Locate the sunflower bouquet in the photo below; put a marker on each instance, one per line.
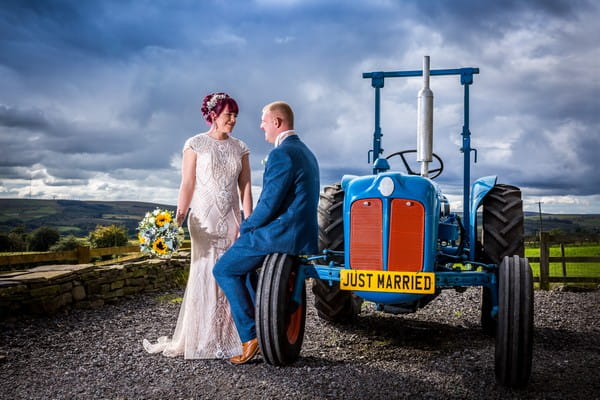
(159, 234)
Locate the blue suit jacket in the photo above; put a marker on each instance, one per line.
(285, 218)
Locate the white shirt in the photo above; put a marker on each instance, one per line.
(281, 137)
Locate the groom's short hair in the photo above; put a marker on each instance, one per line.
(282, 110)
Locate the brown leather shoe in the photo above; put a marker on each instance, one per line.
(249, 350)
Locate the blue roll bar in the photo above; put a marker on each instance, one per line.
(466, 79)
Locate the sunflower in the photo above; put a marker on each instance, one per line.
(141, 239)
(163, 218)
(160, 246)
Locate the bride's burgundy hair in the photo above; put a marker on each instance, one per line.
(223, 99)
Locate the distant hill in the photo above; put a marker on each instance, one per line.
(568, 223)
(72, 216)
(81, 217)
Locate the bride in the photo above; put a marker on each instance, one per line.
(215, 167)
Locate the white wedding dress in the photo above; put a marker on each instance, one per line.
(205, 328)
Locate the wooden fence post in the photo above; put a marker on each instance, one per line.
(83, 255)
(544, 262)
(564, 263)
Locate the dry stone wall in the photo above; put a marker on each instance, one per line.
(47, 289)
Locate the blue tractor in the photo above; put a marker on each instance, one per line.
(390, 238)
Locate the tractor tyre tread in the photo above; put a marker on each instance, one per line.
(514, 338)
(273, 311)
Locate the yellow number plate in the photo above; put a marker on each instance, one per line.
(384, 281)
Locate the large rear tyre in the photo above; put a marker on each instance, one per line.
(331, 221)
(280, 321)
(514, 337)
(502, 235)
(503, 223)
(333, 304)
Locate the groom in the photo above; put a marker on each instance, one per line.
(284, 221)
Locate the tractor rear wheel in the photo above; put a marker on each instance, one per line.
(333, 304)
(503, 223)
(280, 321)
(502, 235)
(514, 337)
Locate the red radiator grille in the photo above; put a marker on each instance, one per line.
(406, 236)
(366, 234)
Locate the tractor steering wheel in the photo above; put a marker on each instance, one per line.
(433, 172)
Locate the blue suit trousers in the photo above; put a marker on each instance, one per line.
(235, 272)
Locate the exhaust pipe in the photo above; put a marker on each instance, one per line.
(425, 122)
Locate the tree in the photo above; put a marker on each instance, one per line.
(67, 243)
(17, 242)
(42, 238)
(5, 244)
(19, 230)
(18, 239)
(108, 236)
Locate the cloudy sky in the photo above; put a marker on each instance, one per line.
(98, 97)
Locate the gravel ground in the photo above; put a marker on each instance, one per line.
(438, 352)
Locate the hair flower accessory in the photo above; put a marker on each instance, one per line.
(214, 100)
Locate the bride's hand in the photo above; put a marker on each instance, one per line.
(180, 218)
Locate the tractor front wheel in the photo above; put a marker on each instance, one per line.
(280, 321)
(514, 336)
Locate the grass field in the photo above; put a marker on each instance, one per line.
(572, 269)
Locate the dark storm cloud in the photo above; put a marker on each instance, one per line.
(55, 134)
(106, 29)
(566, 89)
(28, 119)
(10, 172)
(68, 174)
(566, 166)
(492, 18)
(65, 182)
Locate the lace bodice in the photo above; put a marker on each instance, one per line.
(218, 164)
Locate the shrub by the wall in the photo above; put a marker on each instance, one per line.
(67, 243)
(108, 236)
(16, 240)
(42, 238)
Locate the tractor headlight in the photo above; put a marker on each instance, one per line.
(386, 186)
